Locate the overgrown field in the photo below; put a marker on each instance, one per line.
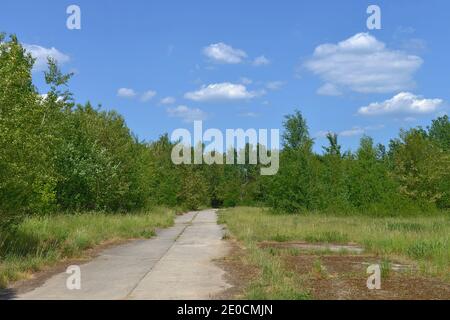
(43, 241)
(423, 241)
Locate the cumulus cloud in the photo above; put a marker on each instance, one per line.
(363, 64)
(126, 93)
(261, 61)
(186, 114)
(41, 54)
(402, 103)
(223, 53)
(221, 91)
(148, 95)
(168, 100)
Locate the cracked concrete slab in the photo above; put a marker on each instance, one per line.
(177, 264)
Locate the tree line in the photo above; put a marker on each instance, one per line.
(57, 155)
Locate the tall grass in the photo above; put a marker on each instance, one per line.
(275, 281)
(42, 241)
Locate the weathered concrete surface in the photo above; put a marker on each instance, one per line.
(176, 264)
(351, 248)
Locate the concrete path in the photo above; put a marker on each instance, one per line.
(176, 264)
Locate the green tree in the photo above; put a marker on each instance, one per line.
(368, 177)
(296, 132)
(439, 132)
(333, 190)
(26, 180)
(193, 194)
(293, 187)
(334, 149)
(421, 167)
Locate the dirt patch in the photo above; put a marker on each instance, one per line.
(330, 275)
(343, 277)
(239, 273)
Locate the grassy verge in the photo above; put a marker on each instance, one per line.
(274, 282)
(423, 241)
(43, 241)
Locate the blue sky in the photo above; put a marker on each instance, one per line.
(246, 64)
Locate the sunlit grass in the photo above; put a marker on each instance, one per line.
(275, 282)
(421, 240)
(42, 241)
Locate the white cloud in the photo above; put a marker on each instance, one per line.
(187, 114)
(354, 131)
(402, 103)
(364, 64)
(261, 61)
(221, 91)
(167, 100)
(126, 93)
(148, 95)
(223, 53)
(329, 89)
(41, 54)
(403, 30)
(414, 45)
(274, 85)
(402, 36)
(357, 130)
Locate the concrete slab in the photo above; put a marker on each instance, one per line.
(176, 264)
(186, 271)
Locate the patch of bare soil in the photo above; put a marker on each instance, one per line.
(343, 277)
(238, 272)
(335, 276)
